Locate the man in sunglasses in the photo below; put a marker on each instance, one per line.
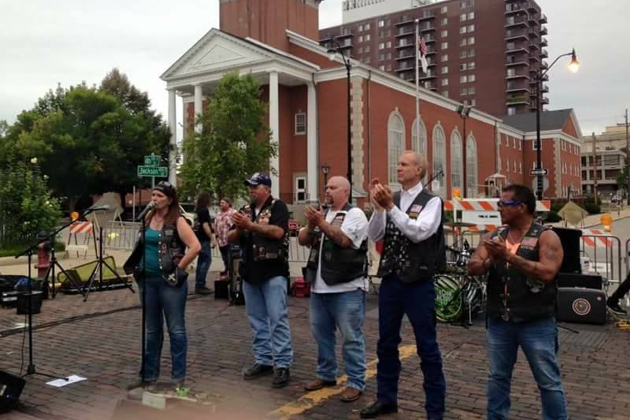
(522, 259)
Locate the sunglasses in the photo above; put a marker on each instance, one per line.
(509, 203)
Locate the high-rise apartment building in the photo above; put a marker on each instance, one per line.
(484, 53)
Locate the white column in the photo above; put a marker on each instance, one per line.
(311, 145)
(274, 125)
(198, 106)
(172, 124)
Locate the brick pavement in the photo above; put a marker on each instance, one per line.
(105, 348)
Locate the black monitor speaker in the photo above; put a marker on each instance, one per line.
(570, 239)
(10, 389)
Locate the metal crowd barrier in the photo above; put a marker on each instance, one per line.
(605, 255)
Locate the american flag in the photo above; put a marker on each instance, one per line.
(422, 48)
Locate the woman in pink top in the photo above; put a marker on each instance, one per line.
(223, 224)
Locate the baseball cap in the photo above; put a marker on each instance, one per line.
(259, 178)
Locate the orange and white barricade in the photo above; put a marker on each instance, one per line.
(86, 230)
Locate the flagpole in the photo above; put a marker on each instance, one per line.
(417, 48)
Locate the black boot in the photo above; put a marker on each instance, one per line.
(613, 305)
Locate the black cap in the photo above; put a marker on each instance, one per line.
(259, 178)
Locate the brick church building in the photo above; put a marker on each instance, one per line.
(277, 42)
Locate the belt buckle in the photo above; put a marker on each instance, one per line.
(505, 316)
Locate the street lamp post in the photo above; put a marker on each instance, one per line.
(332, 53)
(574, 66)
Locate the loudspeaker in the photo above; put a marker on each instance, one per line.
(221, 289)
(10, 389)
(36, 302)
(588, 281)
(570, 239)
(585, 306)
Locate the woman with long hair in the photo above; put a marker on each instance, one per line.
(205, 234)
(223, 225)
(170, 246)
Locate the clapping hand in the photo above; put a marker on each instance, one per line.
(242, 221)
(382, 195)
(313, 216)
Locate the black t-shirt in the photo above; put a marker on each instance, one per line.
(203, 216)
(258, 272)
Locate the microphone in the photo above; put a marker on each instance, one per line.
(147, 209)
(100, 208)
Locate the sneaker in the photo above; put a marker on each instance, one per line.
(282, 378)
(257, 370)
(203, 290)
(613, 305)
(137, 393)
(138, 383)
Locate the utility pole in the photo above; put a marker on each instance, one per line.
(627, 160)
(595, 169)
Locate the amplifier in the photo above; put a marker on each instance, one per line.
(586, 306)
(10, 389)
(587, 281)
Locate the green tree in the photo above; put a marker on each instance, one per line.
(234, 140)
(87, 140)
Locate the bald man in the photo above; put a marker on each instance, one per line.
(337, 272)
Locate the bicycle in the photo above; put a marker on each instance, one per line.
(459, 297)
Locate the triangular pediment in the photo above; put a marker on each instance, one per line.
(216, 52)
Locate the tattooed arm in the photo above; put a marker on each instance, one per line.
(481, 261)
(550, 254)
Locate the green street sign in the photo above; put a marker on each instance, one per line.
(152, 160)
(153, 171)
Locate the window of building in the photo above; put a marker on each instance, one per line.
(471, 40)
(381, 23)
(444, 45)
(456, 160)
(382, 67)
(472, 78)
(511, 110)
(535, 144)
(444, 9)
(472, 90)
(360, 50)
(462, 17)
(511, 72)
(463, 66)
(471, 53)
(444, 21)
(445, 93)
(444, 58)
(471, 166)
(444, 33)
(388, 56)
(360, 28)
(300, 124)
(471, 15)
(462, 30)
(510, 46)
(360, 39)
(395, 144)
(463, 91)
(367, 47)
(381, 45)
(439, 159)
(444, 70)
(520, 145)
(507, 165)
(507, 141)
(381, 57)
(473, 102)
(347, 41)
(471, 65)
(444, 82)
(419, 144)
(388, 44)
(367, 37)
(520, 167)
(514, 142)
(471, 28)
(300, 188)
(463, 78)
(388, 67)
(367, 27)
(463, 54)
(514, 167)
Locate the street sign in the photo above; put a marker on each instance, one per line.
(153, 171)
(152, 160)
(539, 172)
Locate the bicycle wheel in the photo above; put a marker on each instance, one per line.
(448, 300)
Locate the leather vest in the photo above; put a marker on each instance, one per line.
(514, 296)
(338, 264)
(262, 247)
(171, 250)
(412, 262)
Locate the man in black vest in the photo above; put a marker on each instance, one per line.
(337, 272)
(410, 221)
(522, 258)
(262, 230)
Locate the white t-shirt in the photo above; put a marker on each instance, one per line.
(354, 226)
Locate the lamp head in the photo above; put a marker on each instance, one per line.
(574, 65)
(325, 169)
(332, 54)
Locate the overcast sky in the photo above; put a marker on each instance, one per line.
(49, 42)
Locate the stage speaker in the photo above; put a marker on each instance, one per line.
(10, 389)
(36, 302)
(588, 281)
(570, 239)
(585, 306)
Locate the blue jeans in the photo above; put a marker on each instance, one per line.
(162, 301)
(345, 311)
(203, 264)
(268, 315)
(539, 341)
(417, 301)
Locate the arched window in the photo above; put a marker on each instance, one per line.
(419, 144)
(439, 160)
(471, 167)
(395, 144)
(456, 161)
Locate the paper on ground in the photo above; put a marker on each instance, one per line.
(58, 383)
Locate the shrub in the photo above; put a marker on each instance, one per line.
(553, 217)
(592, 208)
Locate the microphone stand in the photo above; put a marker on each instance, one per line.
(142, 218)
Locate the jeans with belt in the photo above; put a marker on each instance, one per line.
(417, 301)
(539, 341)
(204, 260)
(164, 301)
